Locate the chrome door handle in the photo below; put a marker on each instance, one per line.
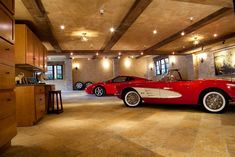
(167, 88)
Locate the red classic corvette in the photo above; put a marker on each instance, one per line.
(109, 87)
(213, 95)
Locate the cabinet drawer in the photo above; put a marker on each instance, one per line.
(6, 53)
(40, 105)
(7, 77)
(39, 90)
(7, 129)
(7, 105)
(9, 4)
(7, 23)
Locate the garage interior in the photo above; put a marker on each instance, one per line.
(53, 45)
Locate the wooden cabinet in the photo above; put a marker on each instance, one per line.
(9, 4)
(29, 49)
(6, 20)
(30, 104)
(7, 74)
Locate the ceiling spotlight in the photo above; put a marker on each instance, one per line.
(111, 29)
(97, 54)
(72, 57)
(182, 33)
(173, 52)
(191, 19)
(196, 42)
(119, 53)
(62, 27)
(84, 37)
(101, 11)
(215, 35)
(132, 57)
(71, 53)
(142, 53)
(154, 31)
(118, 57)
(88, 59)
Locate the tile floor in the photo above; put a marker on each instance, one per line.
(104, 127)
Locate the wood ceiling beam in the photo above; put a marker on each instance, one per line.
(209, 42)
(205, 21)
(223, 3)
(137, 8)
(111, 52)
(42, 22)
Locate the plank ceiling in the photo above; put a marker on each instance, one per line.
(166, 16)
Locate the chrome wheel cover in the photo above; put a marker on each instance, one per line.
(99, 91)
(79, 85)
(214, 101)
(132, 98)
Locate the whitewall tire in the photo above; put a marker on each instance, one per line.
(214, 101)
(132, 99)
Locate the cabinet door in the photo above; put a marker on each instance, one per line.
(7, 77)
(7, 22)
(45, 59)
(30, 48)
(9, 4)
(40, 105)
(36, 51)
(6, 53)
(7, 129)
(41, 56)
(7, 105)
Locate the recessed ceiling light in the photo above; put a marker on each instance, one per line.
(71, 53)
(97, 54)
(215, 35)
(154, 31)
(118, 57)
(132, 56)
(182, 33)
(88, 59)
(173, 52)
(72, 57)
(111, 29)
(101, 11)
(191, 18)
(119, 53)
(62, 27)
(196, 42)
(142, 53)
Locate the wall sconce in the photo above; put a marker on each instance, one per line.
(106, 63)
(172, 60)
(127, 62)
(151, 66)
(202, 57)
(77, 66)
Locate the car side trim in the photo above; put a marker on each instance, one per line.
(157, 93)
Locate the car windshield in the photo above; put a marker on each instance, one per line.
(172, 75)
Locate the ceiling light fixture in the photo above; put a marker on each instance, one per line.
(182, 33)
(84, 37)
(119, 53)
(173, 52)
(142, 53)
(191, 19)
(97, 54)
(71, 53)
(196, 40)
(215, 35)
(132, 57)
(62, 27)
(154, 31)
(118, 57)
(111, 29)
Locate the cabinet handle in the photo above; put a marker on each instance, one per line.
(7, 49)
(8, 73)
(9, 99)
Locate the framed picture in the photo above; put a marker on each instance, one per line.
(225, 62)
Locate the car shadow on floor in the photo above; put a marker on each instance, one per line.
(183, 108)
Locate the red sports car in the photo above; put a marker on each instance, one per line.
(213, 95)
(109, 87)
